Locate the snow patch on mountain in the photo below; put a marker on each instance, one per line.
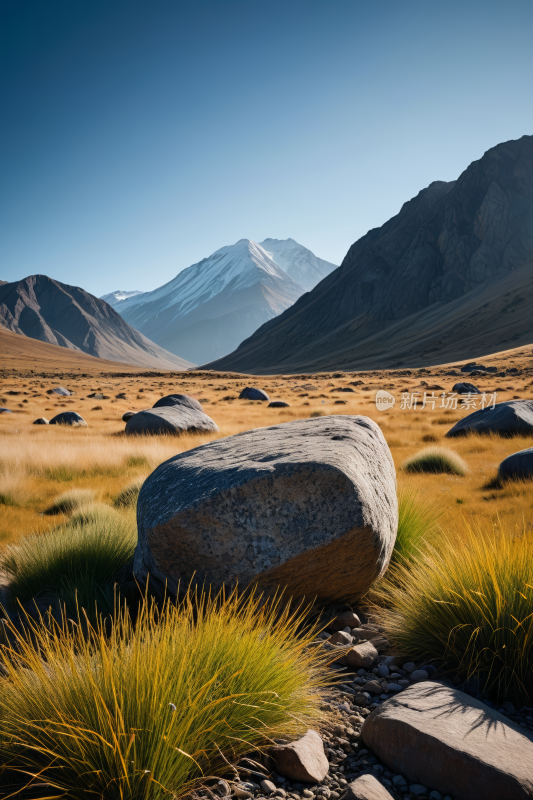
(114, 298)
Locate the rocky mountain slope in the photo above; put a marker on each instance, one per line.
(403, 287)
(210, 307)
(50, 311)
(115, 298)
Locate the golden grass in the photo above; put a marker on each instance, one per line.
(469, 608)
(37, 463)
(148, 711)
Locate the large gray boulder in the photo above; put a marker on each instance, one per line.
(517, 465)
(172, 400)
(440, 737)
(251, 393)
(513, 416)
(171, 419)
(69, 418)
(310, 505)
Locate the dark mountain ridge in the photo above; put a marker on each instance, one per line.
(449, 240)
(44, 309)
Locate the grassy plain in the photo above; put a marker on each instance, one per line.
(39, 463)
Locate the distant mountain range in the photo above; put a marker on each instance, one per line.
(209, 308)
(449, 277)
(54, 312)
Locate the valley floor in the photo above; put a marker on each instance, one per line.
(39, 462)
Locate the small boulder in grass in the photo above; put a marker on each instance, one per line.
(340, 637)
(4, 410)
(365, 633)
(518, 465)
(366, 787)
(345, 620)
(252, 393)
(278, 404)
(303, 760)
(172, 400)
(465, 388)
(70, 418)
(128, 415)
(41, 421)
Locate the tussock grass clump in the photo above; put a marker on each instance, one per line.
(68, 502)
(137, 461)
(95, 514)
(436, 460)
(7, 499)
(467, 605)
(149, 710)
(417, 520)
(127, 497)
(77, 563)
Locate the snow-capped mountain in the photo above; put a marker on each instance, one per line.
(209, 308)
(114, 298)
(298, 262)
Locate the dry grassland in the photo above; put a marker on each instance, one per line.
(38, 463)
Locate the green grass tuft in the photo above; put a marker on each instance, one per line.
(137, 461)
(68, 502)
(417, 521)
(127, 497)
(149, 711)
(467, 605)
(78, 563)
(436, 460)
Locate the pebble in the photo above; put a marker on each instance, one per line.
(399, 780)
(419, 675)
(434, 795)
(382, 671)
(417, 789)
(268, 786)
(409, 667)
(242, 793)
(396, 687)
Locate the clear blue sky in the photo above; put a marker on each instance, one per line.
(138, 137)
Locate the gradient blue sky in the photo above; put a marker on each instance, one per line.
(139, 137)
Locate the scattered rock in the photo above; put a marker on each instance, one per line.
(438, 736)
(346, 389)
(513, 416)
(268, 786)
(278, 404)
(361, 656)
(121, 396)
(340, 403)
(310, 505)
(41, 421)
(69, 418)
(465, 388)
(172, 400)
(174, 419)
(366, 787)
(345, 620)
(365, 633)
(59, 390)
(418, 675)
(4, 410)
(517, 465)
(96, 396)
(303, 760)
(128, 415)
(242, 793)
(340, 637)
(251, 393)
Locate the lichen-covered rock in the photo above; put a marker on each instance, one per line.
(69, 418)
(251, 393)
(171, 419)
(172, 400)
(309, 505)
(513, 416)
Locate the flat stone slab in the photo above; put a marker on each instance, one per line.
(440, 737)
(513, 416)
(308, 505)
(175, 419)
